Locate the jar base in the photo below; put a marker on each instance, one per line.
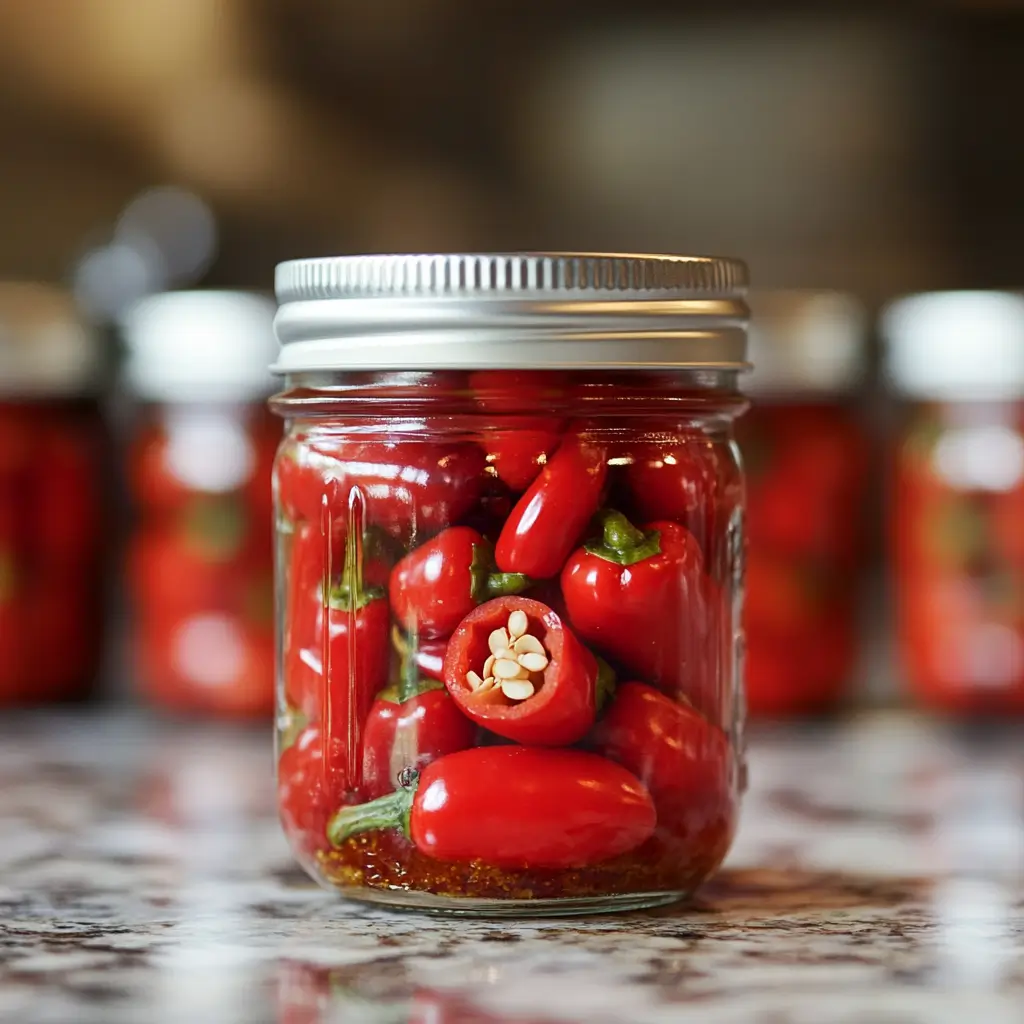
(458, 906)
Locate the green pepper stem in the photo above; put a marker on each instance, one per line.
(486, 583)
(410, 684)
(621, 542)
(390, 811)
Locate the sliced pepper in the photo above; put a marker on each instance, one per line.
(514, 667)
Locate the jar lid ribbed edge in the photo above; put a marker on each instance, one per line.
(507, 275)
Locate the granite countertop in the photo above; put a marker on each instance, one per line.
(877, 878)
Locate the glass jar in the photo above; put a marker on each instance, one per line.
(52, 466)
(200, 465)
(804, 436)
(957, 510)
(508, 487)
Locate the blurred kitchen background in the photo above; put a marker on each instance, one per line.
(851, 153)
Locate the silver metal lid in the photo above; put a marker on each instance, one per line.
(45, 348)
(956, 346)
(510, 310)
(806, 343)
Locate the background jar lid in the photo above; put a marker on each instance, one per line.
(806, 343)
(46, 351)
(200, 346)
(511, 310)
(966, 345)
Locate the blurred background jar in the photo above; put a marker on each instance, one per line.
(957, 511)
(200, 560)
(52, 444)
(807, 454)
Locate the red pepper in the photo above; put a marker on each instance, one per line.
(310, 790)
(519, 450)
(403, 487)
(682, 759)
(439, 583)
(567, 692)
(513, 807)
(551, 516)
(409, 726)
(689, 482)
(358, 649)
(641, 597)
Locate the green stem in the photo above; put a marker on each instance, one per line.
(350, 594)
(487, 583)
(390, 811)
(621, 542)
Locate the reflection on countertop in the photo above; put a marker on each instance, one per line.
(877, 877)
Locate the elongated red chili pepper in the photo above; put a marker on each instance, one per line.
(406, 488)
(680, 757)
(514, 667)
(439, 583)
(640, 596)
(409, 726)
(549, 519)
(513, 807)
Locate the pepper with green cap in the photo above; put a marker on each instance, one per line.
(440, 582)
(358, 648)
(517, 808)
(642, 598)
(411, 724)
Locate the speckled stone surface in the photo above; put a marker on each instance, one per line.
(877, 878)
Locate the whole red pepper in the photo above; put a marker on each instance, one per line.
(406, 488)
(439, 583)
(549, 519)
(409, 726)
(513, 807)
(357, 649)
(310, 789)
(691, 482)
(519, 450)
(642, 598)
(565, 694)
(683, 760)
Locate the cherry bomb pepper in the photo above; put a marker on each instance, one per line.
(677, 753)
(549, 519)
(513, 807)
(410, 725)
(515, 668)
(439, 583)
(642, 598)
